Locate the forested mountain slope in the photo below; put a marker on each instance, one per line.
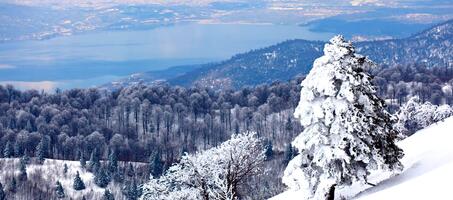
(288, 59)
(431, 47)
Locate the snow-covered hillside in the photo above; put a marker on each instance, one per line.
(42, 179)
(428, 167)
(427, 171)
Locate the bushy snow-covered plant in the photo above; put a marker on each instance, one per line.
(442, 112)
(347, 131)
(213, 174)
(415, 115)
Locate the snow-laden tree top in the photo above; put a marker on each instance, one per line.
(216, 173)
(339, 63)
(347, 131)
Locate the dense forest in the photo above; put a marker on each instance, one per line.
(157, 124)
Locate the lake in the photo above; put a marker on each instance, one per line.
(94, 58)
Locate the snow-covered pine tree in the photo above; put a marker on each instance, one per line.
(101, 177)
(18, 151)
(25, 158)
(347, 131)
(113, 162)
(8, 152)
(22, 171)
(82, 159)
(78, 183)
(59, 191)
(131, 191)
(94, 163)
(156, 166)
(40, 151)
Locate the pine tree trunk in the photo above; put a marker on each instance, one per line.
(331, 194)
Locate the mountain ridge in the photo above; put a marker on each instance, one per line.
(288, 59)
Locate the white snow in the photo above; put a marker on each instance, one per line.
(46, 175)
(428, 164)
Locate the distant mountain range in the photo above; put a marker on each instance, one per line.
(288, 59)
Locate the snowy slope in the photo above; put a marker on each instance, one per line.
(428, 164)
(428, 167)
(43, 178)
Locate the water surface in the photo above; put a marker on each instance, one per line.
(94, 58)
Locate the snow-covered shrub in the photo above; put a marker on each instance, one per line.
(415, 115)
(347, 131)
(442, 112)
(213, 174)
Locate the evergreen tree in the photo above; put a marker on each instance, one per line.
(2, 193)
(13, 185)
(130, 170)
(82, 160)
(59, 190)
(78, 183)
(40, 151)
(118, 176)
(8, 152)
(131, 191)
(289, 124)
(18, 151)
(26, 158)
(107, 195)
(22, 171)
(347, 131)
(101, 178)
(113, 162)
(268, 150)
(94, 163)
(156, 166)
(65, 169)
